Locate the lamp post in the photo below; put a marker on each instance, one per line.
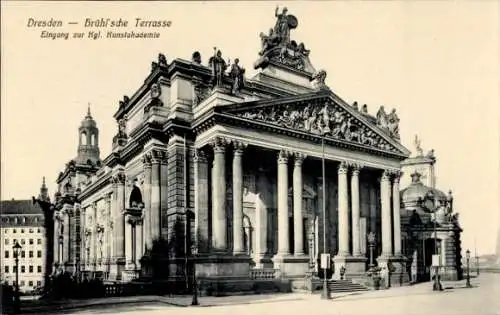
(371, 245)
(467, 257)
(16, 248)
(194, 252)
(325, 294)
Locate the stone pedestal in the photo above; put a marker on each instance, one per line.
(291, 266)
(355, 267)
(397, 269)
(222, 266)
(263, 261)
(116, 269)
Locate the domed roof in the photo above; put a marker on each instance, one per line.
(417, 191)
(88, 121)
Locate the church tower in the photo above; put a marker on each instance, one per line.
(88, 141)
(44, 192)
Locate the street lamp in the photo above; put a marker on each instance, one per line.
(16, 248)
(467, 256)
(325, 294)
(194, 252)
(371, 245)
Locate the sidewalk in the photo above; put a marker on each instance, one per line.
(175, 301)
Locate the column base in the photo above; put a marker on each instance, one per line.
(217, 265)
(393, 270)
(355, 267)
(116, 268)
(291, 266)
(263, 261)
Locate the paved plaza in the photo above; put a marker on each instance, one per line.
(483, 298)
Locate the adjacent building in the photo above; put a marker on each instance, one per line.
(22, 222)
(254, 176)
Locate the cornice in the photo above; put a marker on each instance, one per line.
(112, 160)
(94, 187)
(212, 118)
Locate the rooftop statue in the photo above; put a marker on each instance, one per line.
(418, 149)
(277, 45)
(219, 66)
(237, 74)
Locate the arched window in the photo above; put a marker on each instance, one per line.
(92, 139)
(83, 138)
(135, 197)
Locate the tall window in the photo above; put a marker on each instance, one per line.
(39, 254)
(22, 283)
(6, 241)
(23, 269)
(92, 139)
(6, 254)
(6, 269)
(39, 241)
(23, 241)
(31, 241)
(39, 283)
(23, 254)
(31, 269)
(30, 283)
(31, 254)
(39, 269)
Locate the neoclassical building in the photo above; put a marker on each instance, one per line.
(248, 175)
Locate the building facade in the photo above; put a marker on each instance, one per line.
(245, 174)
(22, 222)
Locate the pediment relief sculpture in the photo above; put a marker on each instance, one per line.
(329, 119)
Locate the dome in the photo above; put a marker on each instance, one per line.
(417, 191)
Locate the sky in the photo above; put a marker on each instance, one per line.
(435, 62)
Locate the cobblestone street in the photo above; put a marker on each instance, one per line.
(483, 298)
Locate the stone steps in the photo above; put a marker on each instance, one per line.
(345, 286)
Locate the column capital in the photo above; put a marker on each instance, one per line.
(299, 158)
(386, 175)
(199, 156)
(158, 156)
(219, 144)
(118, 178)
(356, 168)
(146, 159)
(343, 167)
(283, 156)
(238, 147)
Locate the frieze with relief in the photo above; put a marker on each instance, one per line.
(329, 119)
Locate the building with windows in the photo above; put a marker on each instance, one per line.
(255, 177)
(22, 222)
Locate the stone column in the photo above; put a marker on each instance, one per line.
(283, 245)
(129, 243)
(56, 239)
(356, 249)
(155, 195)
(298, 227)
(396, 215)
(119, 225)
(163, 196)
(138, 242)
(343, 203)
(219, 220)
(238, 247)
(373, 210)
(201, 201)
(146, 161)
(66, 237)
(385, 201)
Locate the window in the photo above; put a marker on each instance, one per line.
(31, 254)
(6, 269)
(23, 254)
(39, 269)
(6, 254)
(31, 230)
(14, 231)
(6, 241)
(23, 241)
(31, 241)
(39, 254)
(31, 269)
(6, 230)
(22, 283)
(14, 269)
(38, 230)
(39, 241)
(38, 283)
(22, 230)
(23, 269)
(30, 283)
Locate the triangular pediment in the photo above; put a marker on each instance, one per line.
(318, 113)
